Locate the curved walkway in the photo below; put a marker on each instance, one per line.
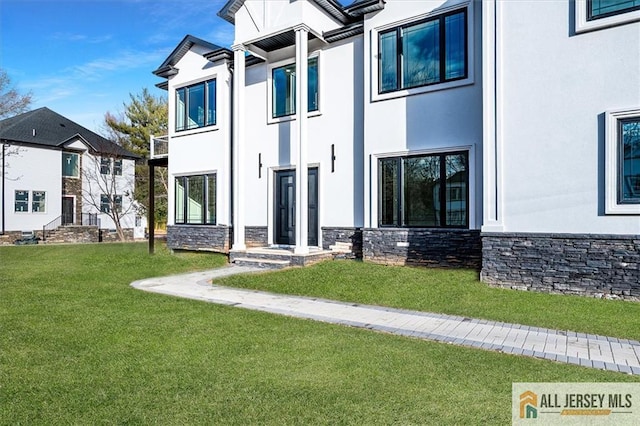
(588, 350)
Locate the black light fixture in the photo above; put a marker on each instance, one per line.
(259, 165)
(333, 158)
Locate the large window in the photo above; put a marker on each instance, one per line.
(629, 161)
(598, 9)
(622, 159)
(424, 191)
(195, 199)
(196, 106)
(428, 52)
(284, 89)
(109, 202)
(22, 201)
(38, 201)
(70, 166)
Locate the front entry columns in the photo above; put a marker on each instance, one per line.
(238, 146)
(302, 190)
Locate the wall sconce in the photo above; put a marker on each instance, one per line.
(333, 158)
(260, 165)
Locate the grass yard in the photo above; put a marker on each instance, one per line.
(450, 291)
(79, 346)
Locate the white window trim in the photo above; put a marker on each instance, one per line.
(612, 169)
(270, 68)
(179, 133)
(45, 202)
(583, 25)
(77, 154)
(28, 201)
(374, 195)
(374, 61)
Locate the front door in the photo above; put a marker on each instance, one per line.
(67, 210)
(285, 205)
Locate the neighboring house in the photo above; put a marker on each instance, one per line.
(496, 135)
(57, 173)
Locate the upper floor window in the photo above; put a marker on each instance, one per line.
(106, 166)
(422, 53)
(70, 166)
(109, 202)
(598, 9)
(21, 201)
(195, 199)
(424, 190)
(196, 105)
(284, 88)
(622, 158)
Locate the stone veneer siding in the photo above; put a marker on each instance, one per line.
(595, 265)
(199, 237)
(332, 235)
(424, 247)
(256, 236)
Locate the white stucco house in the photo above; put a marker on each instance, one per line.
(500, 135)
(57, 174)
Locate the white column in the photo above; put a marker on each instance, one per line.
(238, 147)
(302, 193)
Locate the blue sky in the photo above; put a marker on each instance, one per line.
(82, 58)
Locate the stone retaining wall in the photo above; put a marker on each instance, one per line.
(199, 237)
(425, 247)
(596, 265)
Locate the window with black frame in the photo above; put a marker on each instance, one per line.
(196, 106)
(427, 52)
(597, 9)
(629, 161)
(195, 199)
(424, 191)
(284, 89)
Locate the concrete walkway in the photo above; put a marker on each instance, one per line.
(588, 350)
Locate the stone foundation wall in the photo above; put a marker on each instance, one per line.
(108, 236)
(424, 247)
(9, 237)
(595, 265)
(256, 236)
(200, 237)
(332, 235)
(73, 234)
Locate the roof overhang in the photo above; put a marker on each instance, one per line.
(331, 7)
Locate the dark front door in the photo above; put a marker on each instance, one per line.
(286, 207)
(67, 210)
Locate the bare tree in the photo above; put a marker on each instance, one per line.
(108, 187)
(12, 102)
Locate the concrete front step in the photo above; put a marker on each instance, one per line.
(267, 257)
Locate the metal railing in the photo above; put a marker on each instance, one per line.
(159, 146)
(86, 219)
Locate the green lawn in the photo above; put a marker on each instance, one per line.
(450, 291)
(79, 346)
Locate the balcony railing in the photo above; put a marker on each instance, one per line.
(159, 147)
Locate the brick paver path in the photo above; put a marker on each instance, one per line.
(588, 350)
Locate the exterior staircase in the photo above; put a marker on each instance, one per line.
(277, 257)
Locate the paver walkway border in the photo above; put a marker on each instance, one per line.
(588, 350)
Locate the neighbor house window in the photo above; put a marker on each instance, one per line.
(196, 105)
(598, 9)
(622, 158)
(423, 53)
(284, 88)
(105, 166)
(424, 190)
(70, 166)
(195, 199)
(38, 201)
(22, 201)
(117, 167)
(107, 202)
